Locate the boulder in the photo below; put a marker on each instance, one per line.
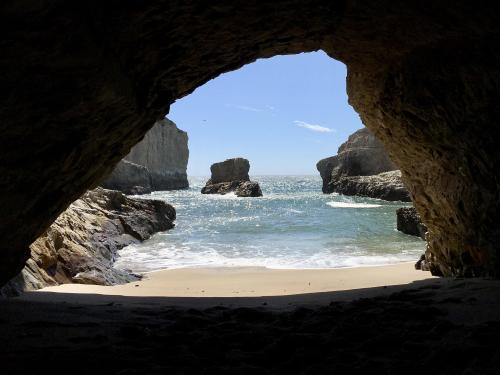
(158, 162)
(82, 244)
(232, 175)
(409, 222)
(248, 189)
(387, 186)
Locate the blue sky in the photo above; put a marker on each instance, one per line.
(283, 114)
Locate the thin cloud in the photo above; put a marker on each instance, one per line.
(244, 107)
(270, 107)
(313, 127)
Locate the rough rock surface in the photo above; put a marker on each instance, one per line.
(387, 186)
(83, 81)
(361, 155)
(232, 175)
(409, 222)
(81, 245)
(158, 162)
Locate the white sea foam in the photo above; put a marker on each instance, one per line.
(292, 227)
(352, 205)
(173, 258)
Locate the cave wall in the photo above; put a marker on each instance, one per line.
(83, 81)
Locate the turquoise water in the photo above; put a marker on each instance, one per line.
(293, 226)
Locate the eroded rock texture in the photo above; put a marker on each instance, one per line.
(83, 81)
(409, 222)
(158, 162)
(81, 245)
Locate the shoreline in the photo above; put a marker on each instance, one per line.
(277, 269)
(250, 282)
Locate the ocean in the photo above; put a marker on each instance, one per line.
(293, 226)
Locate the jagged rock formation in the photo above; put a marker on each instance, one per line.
(81, 245)
(231, 175)
(387, 186)
(158, 162)
(409, 222)
(362, 167)
(80, 91)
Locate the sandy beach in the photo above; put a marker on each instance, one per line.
(252, 281)
(369, 320)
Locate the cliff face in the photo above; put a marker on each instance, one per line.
(362, 167)
(362, 155)
(81, 245)
(158, 162)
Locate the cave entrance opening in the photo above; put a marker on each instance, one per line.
(283, 115)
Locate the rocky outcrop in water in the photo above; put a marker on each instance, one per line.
(81, 245)
(387, 186)
(325, 168)
(158, 162)
(409, 222)
(362, 167)
(232, 175)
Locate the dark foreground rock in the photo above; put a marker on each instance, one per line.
(411, 331)
(81, 245)
(387, 186)
(158, 162)
(232, 175)
(409, 222)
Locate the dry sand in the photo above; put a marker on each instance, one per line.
(252, 281)
(406, 323)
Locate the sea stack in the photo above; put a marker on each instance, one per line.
(362, 167)
(158, 162)
(232, 175)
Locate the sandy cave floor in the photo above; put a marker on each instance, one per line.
(434, 326)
